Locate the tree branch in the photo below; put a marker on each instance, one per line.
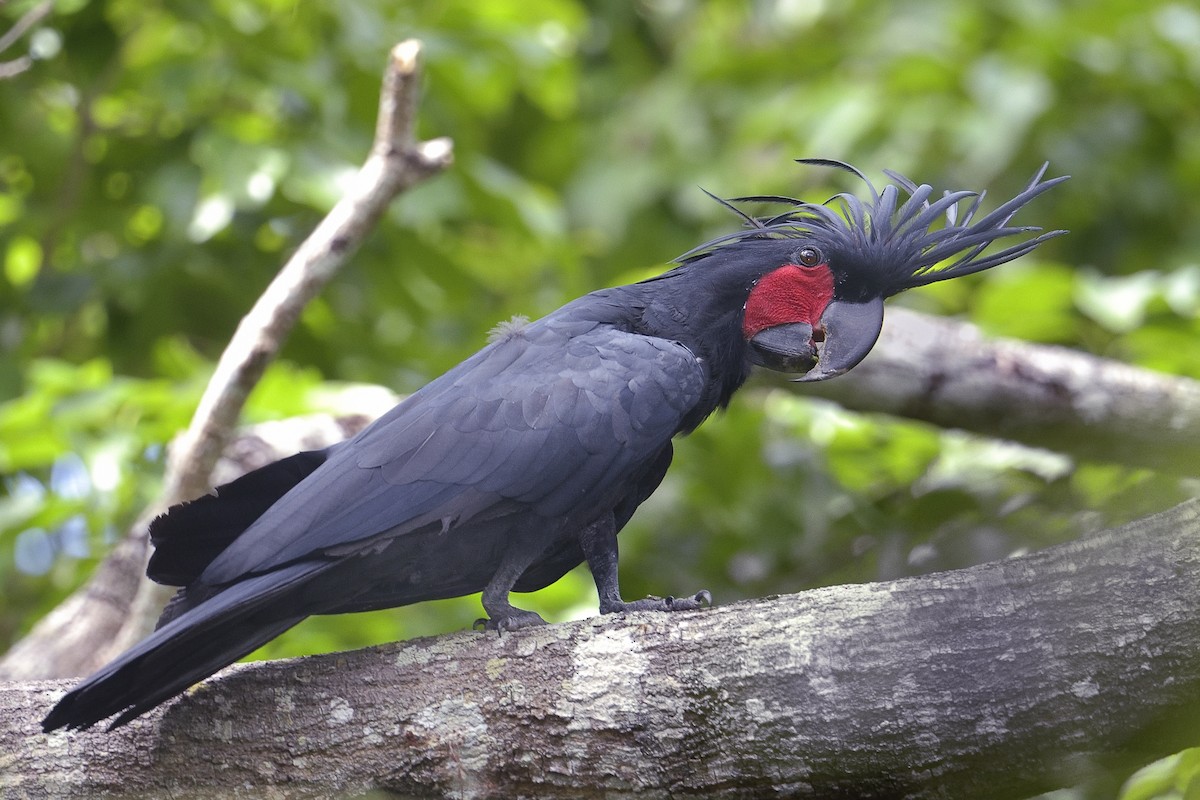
(945, 372)
(10, 69)
(1001, 680)
(30, 18)
(117, 606)
(396, 162)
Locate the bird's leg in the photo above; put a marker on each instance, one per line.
(503, 615)
(599, 543)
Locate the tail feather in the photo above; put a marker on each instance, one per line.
(188, 649)
(190, 535)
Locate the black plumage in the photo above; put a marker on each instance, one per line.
(530, 456)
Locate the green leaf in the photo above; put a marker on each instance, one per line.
(1175, 777)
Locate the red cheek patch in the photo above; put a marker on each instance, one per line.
(789, 294)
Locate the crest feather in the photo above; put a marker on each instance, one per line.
(899, 231)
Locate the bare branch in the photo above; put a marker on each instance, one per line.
(1000, 681)
(945, 372)
(30, 18)
(10, 69)
(118, 606)
(396, 162)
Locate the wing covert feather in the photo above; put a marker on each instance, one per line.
(542, 421)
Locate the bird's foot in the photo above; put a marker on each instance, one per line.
(701, 599)
(512, 620)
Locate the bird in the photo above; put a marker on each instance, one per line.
(529, 457)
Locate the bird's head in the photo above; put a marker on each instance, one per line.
(820, 311)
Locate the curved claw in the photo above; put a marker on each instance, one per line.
(519, 618)
(701, 599)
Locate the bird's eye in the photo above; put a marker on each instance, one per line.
(809, 256)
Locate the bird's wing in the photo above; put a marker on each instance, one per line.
(551, 419)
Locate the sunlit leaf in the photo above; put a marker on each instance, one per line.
(1117, 303)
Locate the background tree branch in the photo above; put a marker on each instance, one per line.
(1000, 680)
(946, 372)
(396, 162)
(1010, 389)
(118, 606)
(10, 69)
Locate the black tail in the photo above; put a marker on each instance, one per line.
(190, 535)
(191, 647)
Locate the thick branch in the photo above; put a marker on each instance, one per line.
(1000, 680)
(117, 607)
(942, 371)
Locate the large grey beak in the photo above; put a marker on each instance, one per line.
(784, 348)
(851, 330)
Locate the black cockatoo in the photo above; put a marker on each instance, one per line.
(529, 457)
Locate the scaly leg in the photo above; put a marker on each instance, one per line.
(503, 615)
(599, 543)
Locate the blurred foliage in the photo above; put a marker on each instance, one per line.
(162, 157)
(1176, 777)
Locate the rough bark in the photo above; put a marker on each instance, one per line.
(945, 372)
(116, 607)
(1000, 680)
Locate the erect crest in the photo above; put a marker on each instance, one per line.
(914, 240)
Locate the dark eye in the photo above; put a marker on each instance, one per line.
(809, 256)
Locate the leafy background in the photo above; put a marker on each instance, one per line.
(160, 160)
